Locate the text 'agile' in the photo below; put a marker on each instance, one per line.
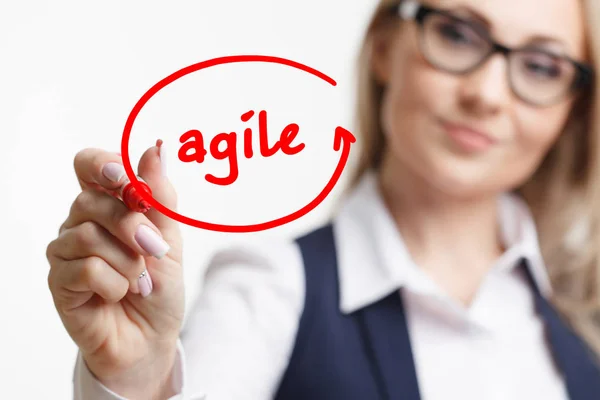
(193, 146)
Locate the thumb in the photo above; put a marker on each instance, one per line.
(152, 169)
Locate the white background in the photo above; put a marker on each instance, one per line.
(70, 73)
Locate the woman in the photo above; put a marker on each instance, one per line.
(463, 264)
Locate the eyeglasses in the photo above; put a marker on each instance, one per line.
(449, 43)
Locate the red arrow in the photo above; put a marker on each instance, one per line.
(342, 139)
(345, 136)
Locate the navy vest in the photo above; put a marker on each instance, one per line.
(367, 355)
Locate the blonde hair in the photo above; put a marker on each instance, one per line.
(563, 193)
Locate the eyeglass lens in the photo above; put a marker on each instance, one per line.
(455, 45)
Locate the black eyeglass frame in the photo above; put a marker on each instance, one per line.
(410, 9)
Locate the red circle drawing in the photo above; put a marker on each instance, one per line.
(342, 140)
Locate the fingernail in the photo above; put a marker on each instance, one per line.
(113, 171)
(150, 241)
(145, 283)
(163, 159)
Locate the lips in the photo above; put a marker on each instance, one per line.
(468, 138)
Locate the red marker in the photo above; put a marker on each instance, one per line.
(132, 198)
(130, 195)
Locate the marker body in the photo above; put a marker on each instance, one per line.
(132, 198)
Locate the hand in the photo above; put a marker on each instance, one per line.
(126, 327)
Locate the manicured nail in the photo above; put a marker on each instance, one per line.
(162, 154)
(113, 171)
(150, 241)
(145, 283)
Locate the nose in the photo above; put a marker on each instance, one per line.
(486, 89)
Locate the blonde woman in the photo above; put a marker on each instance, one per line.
(463, 264)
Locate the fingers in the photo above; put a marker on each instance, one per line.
(74, 282)
(99, 167)
(152, 169)
(103, 171)
(91, 240)
(133, 229)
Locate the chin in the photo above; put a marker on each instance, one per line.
(458, 178)
(460, 188)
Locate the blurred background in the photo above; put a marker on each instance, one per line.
(71, 73)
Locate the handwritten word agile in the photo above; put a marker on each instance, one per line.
(193, 146)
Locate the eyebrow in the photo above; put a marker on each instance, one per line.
(464, 11)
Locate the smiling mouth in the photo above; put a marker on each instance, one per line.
(467, 138)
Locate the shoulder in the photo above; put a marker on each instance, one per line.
(265, 275)
(242, 326)
(260, 271)
(273, 259)
(268, 257)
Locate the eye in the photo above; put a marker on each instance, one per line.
(542, 66)
(458, 33)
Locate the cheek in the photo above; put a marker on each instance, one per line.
(537, 130)
(410, 90)
(416, 96)
(413, 95)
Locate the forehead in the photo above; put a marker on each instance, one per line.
(514, 22)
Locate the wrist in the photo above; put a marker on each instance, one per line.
(151, 378)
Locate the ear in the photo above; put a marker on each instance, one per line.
(381, 55)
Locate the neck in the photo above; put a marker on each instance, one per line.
(454, 239)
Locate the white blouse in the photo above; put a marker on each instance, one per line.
(241, 329)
